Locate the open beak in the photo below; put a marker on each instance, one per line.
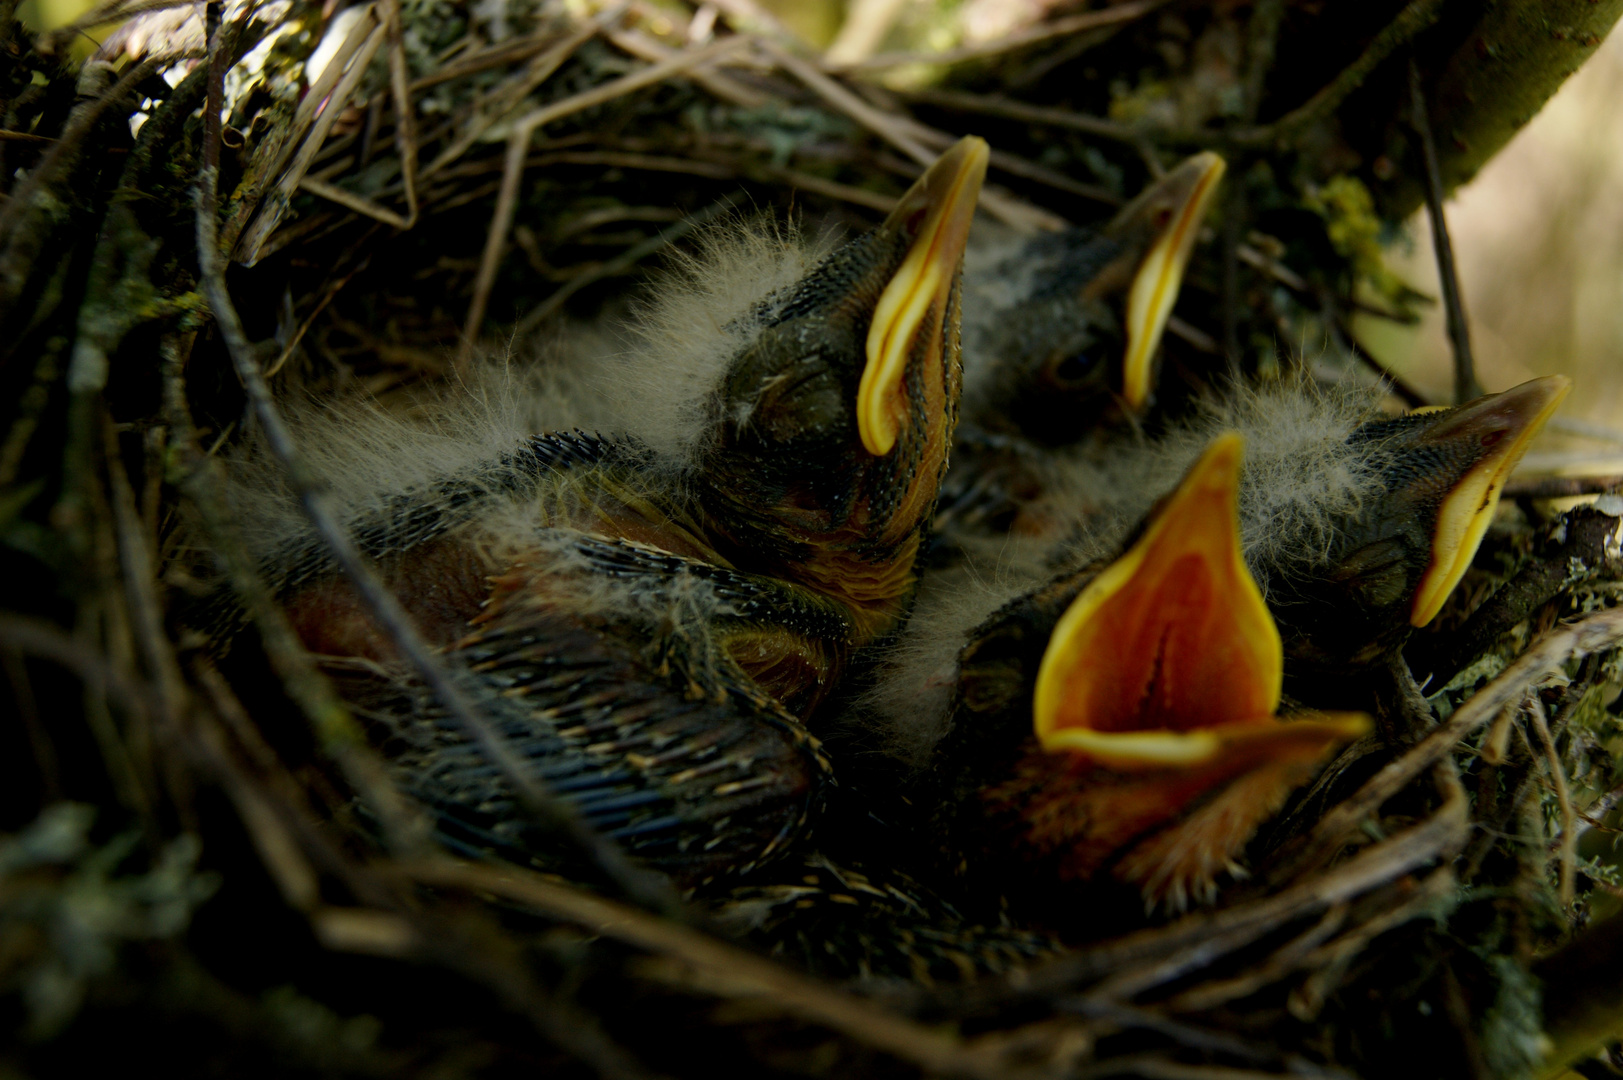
(1176, 204)
(936, 212)
(1499, 427)
(1169, 658)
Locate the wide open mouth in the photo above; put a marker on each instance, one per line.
(937, 211)
(1172, 642)
(1502, 426)
(1180, 199)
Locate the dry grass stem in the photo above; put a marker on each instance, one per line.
(1601, 630)
(275, 205)
(1568, 848)
(727, 969)
(1115, 15)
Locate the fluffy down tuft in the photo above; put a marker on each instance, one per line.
(693, 320)
(651, 375)
(1302, 477)
(1301, 480)
(367, 452)
(906, 708)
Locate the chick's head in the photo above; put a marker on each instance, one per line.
(1395, 562)
(832, 425)
(1071, 322)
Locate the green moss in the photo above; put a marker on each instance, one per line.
(1354, 230)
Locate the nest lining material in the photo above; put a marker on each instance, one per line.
(358, 151)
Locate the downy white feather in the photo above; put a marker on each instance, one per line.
(1302, 479)
(653, 374)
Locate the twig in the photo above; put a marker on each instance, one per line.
(1115, 15)
(1028, 113)
(1418, 16)
(327, 297)
(1587, 428)
(496, 56)
(620, 263)
(518, 144)
(1262, 36)
(1560, 487)
(277, 819)
(1278, 965)
(1148, 1067)
(1558, 779)
(35, 637)
(888, 126)
(80, 122)
(501, 221)
(1466, 387)
(140, 590)
(1234, 215)
(1398, 384)
(116, 11)
(1199, 940)
(1588, 541)
(728, 970)
(1012, 164)
(830, 189)
(275, 205)
(511, 94)
(1593, 815)
(380, 603)
(351, 201)
(1193, 336)
(722, 86)
(905, 134)
(1128, 1017)
(1601, 630)
(31, 404)
(405, 118)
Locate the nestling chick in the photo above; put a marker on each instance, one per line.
(1068, 325)
(798, 484)
(647, 624)
(1061, 335)
(1357, 526)
(1119, 721)
(1391, 567)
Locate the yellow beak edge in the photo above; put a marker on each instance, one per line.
(944, 197)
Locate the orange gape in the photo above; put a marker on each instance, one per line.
(1157, 751)
(1169, 642)
(1162, 660)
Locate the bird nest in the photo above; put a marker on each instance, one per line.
(209, 217)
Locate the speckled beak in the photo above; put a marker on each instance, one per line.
(1169, 658)
(1503, 425)
(911, 312)
(1176, 204)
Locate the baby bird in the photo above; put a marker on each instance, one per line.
(797, 483)
(1391, 566)
(1062, 334)
(648, 622)
(1356, 529)
(1048, 351)
(1358, 526)
(1119, 722)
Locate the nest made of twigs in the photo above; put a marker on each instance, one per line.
(435, 184)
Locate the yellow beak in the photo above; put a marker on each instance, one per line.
(1182, 198)
(1169, 658)
(937, 212)
(1506, 424)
